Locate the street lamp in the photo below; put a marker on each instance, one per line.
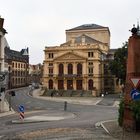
(9, 80)
(11, 93)
(9, 87)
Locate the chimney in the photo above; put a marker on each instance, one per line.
(1, 22)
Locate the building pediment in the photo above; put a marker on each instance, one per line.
(70, 56)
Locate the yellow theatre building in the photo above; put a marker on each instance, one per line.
(78, 63)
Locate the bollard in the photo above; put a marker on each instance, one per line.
(21, 112)
(65, 105)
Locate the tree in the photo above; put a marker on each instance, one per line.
(118, 65)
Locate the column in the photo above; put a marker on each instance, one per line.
(74, 83)
(55, 69)
(65, 68)
(74, 68)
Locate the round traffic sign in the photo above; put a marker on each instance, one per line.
(21, 108)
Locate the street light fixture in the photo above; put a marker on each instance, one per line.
(9, 87)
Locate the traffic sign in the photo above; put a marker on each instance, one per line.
(21, 108)
(135, 82)
(135, 94)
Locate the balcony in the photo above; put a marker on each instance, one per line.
(50, 74)
(69, 75)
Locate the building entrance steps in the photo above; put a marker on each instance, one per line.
(73, 100)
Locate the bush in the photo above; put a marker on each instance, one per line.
(135, 107)
(121, 112)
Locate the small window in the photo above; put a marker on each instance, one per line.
(50, 64)
(90, 54)
(50, 71)
(90, 63)
(13, 65)
(50, 55)
(90, 70)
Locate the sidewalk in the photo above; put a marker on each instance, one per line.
(74, 100)
(6, 110)
(113, 129)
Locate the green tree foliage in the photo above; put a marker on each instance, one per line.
(118, 65)
(121, 112)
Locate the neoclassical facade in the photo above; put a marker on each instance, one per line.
(77, 64)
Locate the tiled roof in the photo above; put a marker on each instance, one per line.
(12, 54)
(87, 26)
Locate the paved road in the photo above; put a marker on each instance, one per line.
(80, 126)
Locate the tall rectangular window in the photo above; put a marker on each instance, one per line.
(50, 71)
(50, 55)
(90, 54)
(90, 70)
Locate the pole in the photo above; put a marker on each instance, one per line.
(9, 102)
(65, 106)
(9, 69)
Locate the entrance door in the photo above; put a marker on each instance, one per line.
(69, 84)
(50, 84)
(60, 84)
(79, 84)
(90, 84)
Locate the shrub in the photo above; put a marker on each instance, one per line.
(135, 107)
(121, 112)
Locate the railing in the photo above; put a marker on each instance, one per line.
(77, 75)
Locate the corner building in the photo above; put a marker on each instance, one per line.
(18, 67)
(77, 64)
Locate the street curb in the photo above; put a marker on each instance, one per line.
(101, 123)
(27, 121)
(6, 113)
(46, 119)
(61, 100)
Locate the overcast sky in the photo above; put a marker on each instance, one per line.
(39, 23)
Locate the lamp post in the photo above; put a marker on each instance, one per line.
(9, 87)
(102, 74)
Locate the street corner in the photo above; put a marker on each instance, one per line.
(109, 126)
(45, 118)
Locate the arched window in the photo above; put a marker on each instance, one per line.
(90, 84)
(70, 69)
(50, 84)
(79, 69)
(61, 69)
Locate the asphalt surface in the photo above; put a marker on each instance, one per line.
(82, 122)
